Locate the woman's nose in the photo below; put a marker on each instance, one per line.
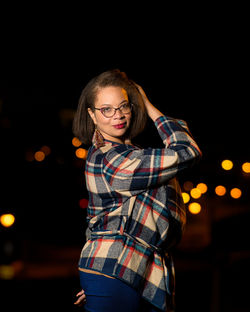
(118, 114)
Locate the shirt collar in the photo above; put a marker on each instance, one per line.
(99, 141)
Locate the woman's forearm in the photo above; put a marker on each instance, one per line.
(153, 112)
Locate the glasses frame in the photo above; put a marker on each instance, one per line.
(114, 110)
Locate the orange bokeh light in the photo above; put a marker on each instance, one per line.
(195, 193)
(235, 193)
(76, 142)
(81, 153)
(202, 187)
(46, 149)
(246, 167)
(39, 156)
(220, 190)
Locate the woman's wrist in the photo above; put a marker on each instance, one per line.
(153, 112)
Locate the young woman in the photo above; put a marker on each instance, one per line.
(135, 212)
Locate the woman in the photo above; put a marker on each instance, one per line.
(135, 212)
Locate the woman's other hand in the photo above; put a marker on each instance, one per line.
(81, 298)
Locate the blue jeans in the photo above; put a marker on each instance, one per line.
(104, 294)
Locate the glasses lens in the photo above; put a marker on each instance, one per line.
(125, 108)
(108, 112)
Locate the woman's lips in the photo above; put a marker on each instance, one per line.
(120, 126)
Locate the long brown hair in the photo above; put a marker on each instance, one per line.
(83, 126)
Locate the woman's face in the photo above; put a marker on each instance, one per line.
(113, 128)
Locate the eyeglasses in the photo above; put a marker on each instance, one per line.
(109, 112)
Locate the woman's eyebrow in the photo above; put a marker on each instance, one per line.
(105, 104)
(124, 101)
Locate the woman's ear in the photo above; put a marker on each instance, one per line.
(92, 115)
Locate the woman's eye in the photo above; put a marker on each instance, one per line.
(126, 105)
(106, 109)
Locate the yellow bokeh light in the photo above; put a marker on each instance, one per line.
(81, 153)
(246, 167)
(7, 219)
(195, 193)
(39, 156)
(235, 193)
(186, 197)
(220, 190)
(76, 142)
(202, 187)
(7, 272)
(227, 164)
(194, 208)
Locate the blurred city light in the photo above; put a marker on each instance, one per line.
(7, 272)
(7, 219)
(235, 193)
(194, 208)
(220, 190)
(246, 167)
(76, 142)
(81, 153)
(227, 164)
(39, 156)
(187, 186)
(186, 197)
(29, 155)
(195, 193)
(46, 150)
(202, 187)
(83, 203)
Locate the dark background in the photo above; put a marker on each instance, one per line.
(193, 64)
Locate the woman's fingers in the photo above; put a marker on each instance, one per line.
(81, 298)
(80, 293)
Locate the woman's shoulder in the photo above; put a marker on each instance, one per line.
(110, 150)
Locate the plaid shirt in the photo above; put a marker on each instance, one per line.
(136, 212)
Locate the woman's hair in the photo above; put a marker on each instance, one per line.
(83, 126)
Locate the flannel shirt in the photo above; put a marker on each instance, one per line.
(136, 211)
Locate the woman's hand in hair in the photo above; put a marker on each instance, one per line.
(152, 111)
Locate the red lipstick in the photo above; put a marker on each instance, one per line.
(120, 126)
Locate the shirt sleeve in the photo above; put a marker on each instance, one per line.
(129, 169)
